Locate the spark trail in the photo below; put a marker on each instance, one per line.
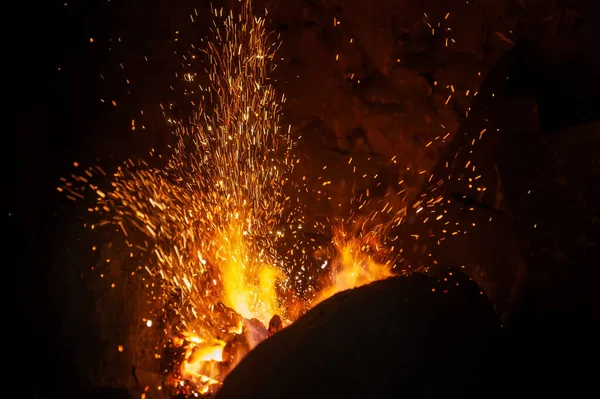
(212, 213)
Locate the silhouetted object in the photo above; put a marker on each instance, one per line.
(418, 336)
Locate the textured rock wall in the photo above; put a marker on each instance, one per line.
(384, 77)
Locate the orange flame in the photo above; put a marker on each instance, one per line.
(355, 263)
(249, 280)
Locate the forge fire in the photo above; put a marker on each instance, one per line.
(213, 214)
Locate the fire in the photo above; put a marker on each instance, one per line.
(198, 353)
(200, 358)
(249, 281)
(212, 216)
(213, 211)
(359, 260)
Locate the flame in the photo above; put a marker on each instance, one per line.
(356, 262)
(198, 353)
(249, 281)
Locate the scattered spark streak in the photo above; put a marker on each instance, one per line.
(222, 186)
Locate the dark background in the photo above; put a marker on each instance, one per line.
(56, 118)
